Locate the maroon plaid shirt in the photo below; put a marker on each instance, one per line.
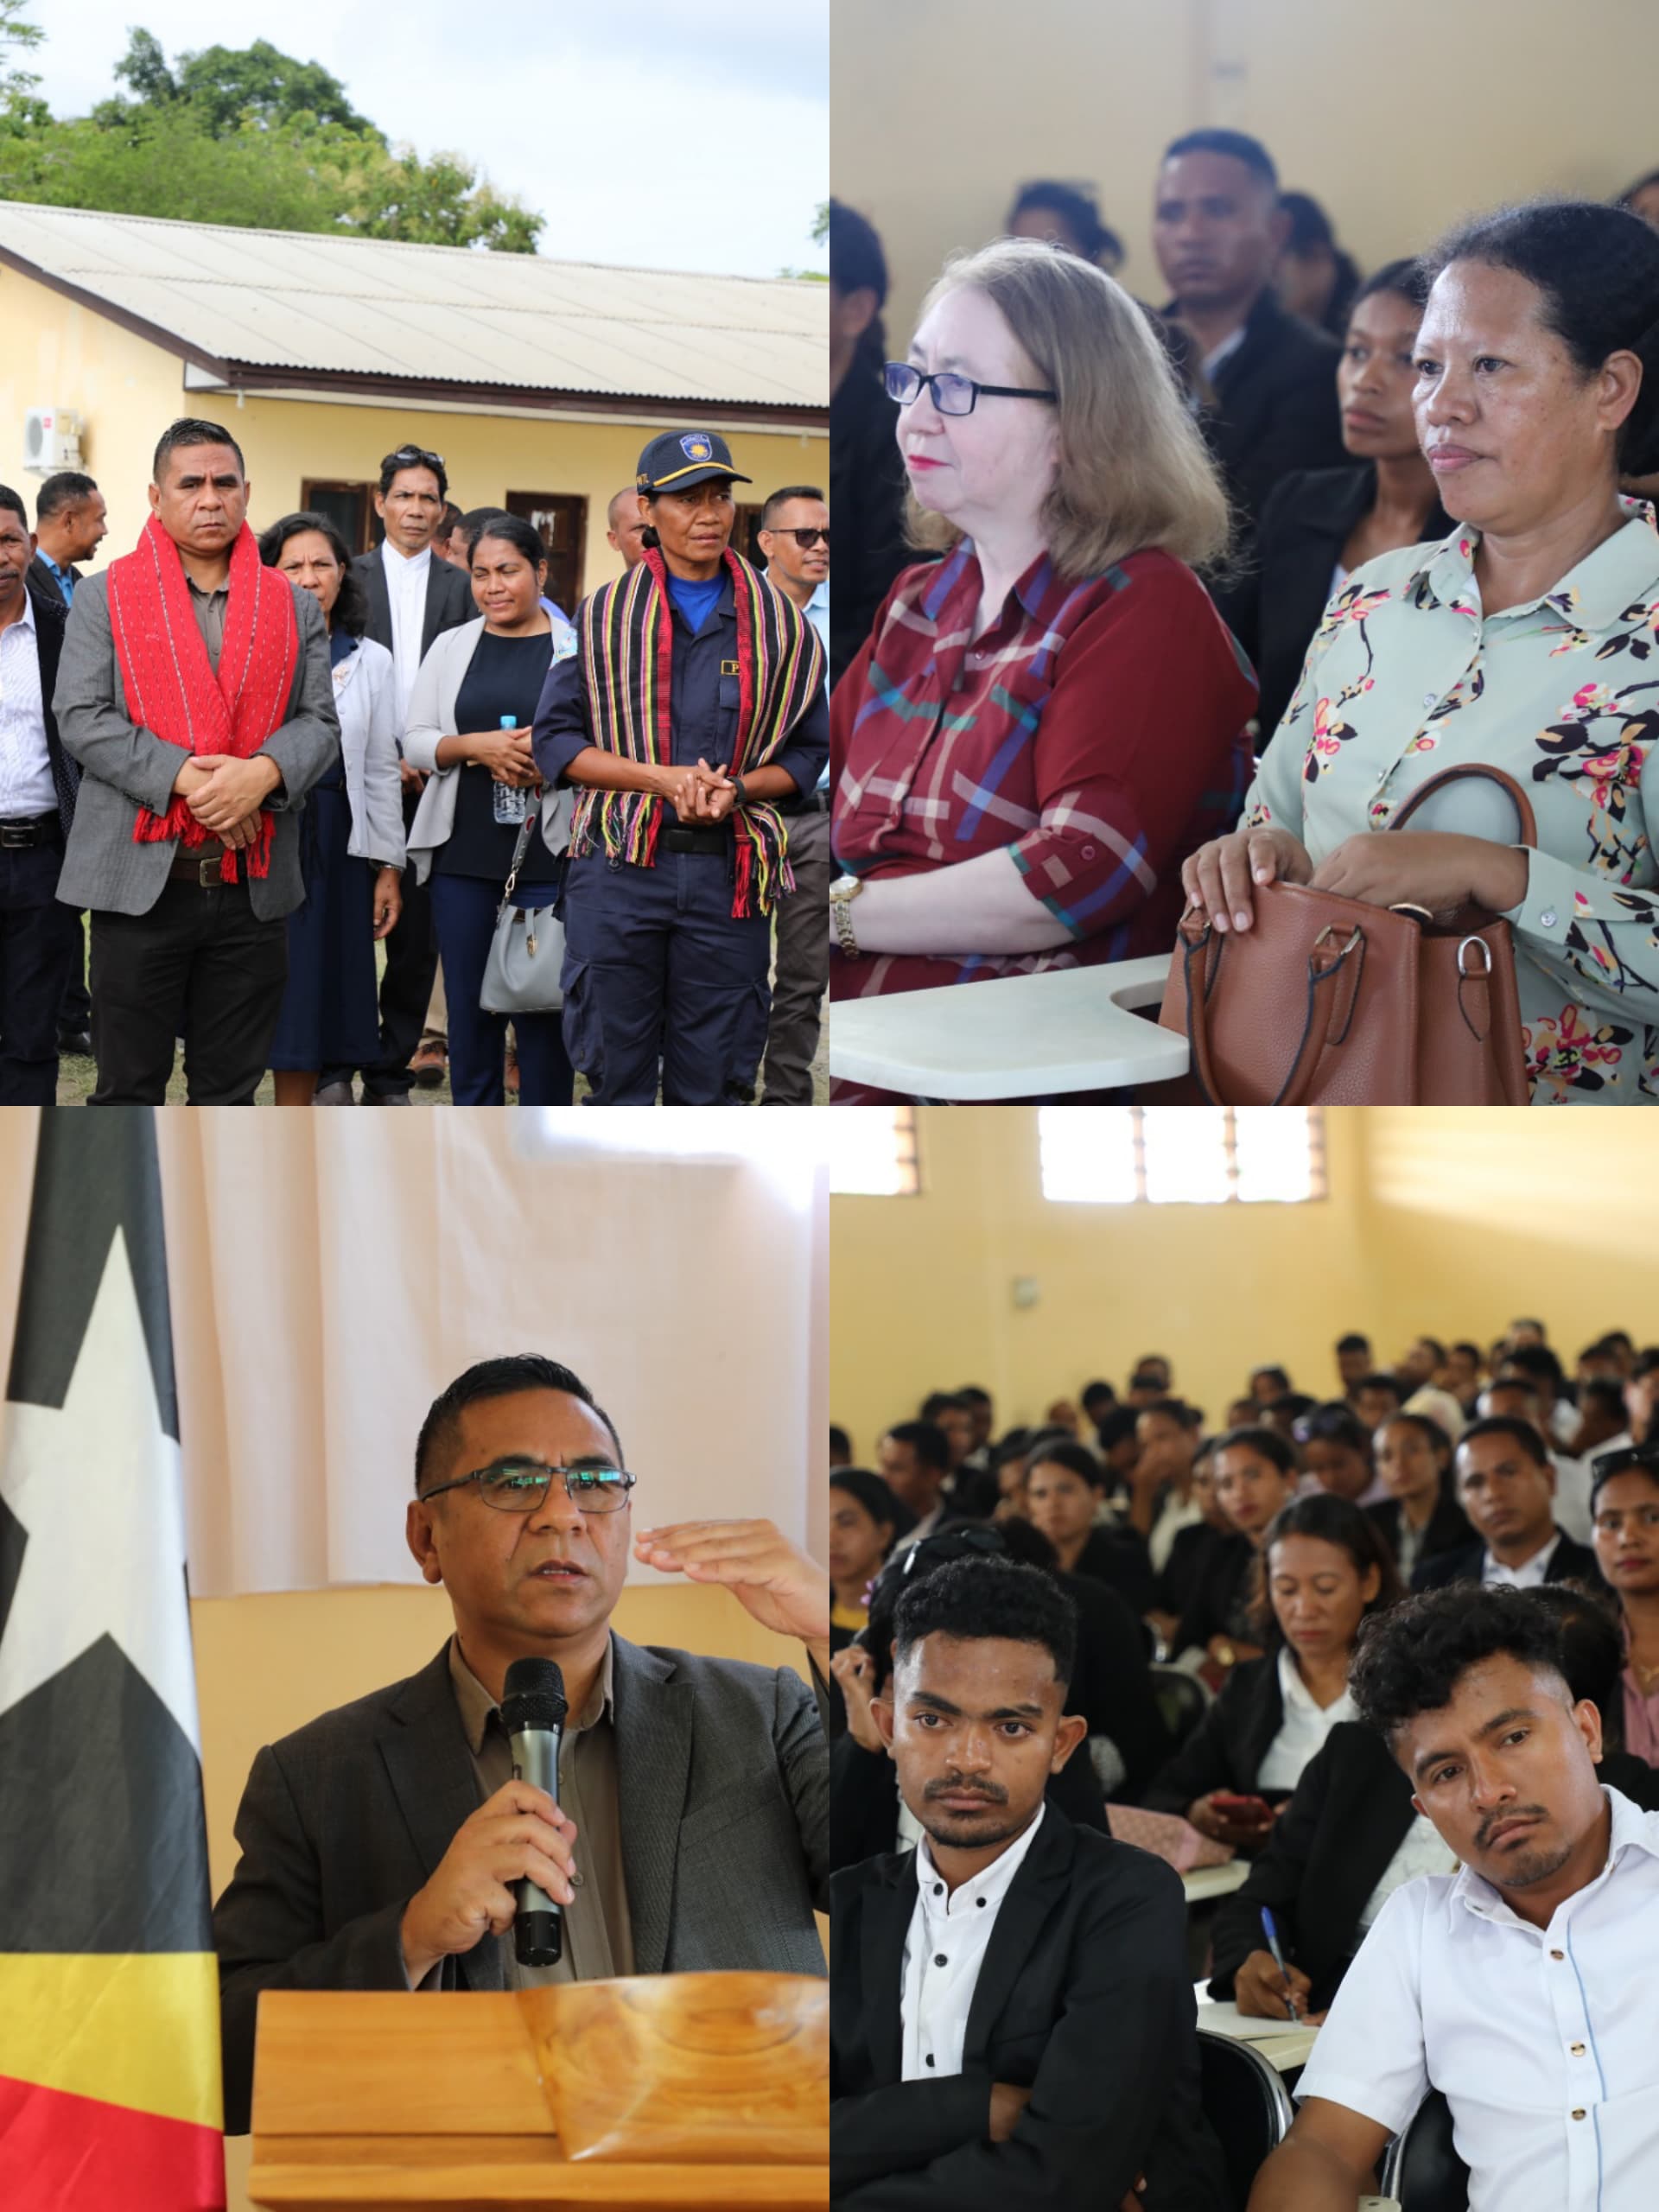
(1095, 731)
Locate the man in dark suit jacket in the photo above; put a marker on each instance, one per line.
(431, 595)
(1011, 2020)
(1506, 1486)
(1218, 230)
(70, 525)
(379, 1843)
(38, 782)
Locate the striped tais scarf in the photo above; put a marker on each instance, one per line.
(624, 634)
(170, 684)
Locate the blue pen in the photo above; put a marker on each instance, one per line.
(1272, 1934)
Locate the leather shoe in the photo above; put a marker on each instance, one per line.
(336, 1094)
(426, 1067)
(75, 1045)
(385, 1098)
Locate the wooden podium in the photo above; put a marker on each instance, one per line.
(663, 2093)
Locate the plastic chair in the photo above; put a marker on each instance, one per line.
(1247, 2105)
(1422, 2170)
(1182, 1699)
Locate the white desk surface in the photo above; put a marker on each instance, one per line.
(1013, 1037)
(1205, 1882)
(1285, 2047)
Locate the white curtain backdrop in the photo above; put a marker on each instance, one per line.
(330, 1273)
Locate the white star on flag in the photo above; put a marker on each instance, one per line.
(99, 1489)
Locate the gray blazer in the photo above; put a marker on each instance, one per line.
(722, 1785)
(124, 767)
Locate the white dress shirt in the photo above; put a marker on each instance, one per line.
(26, 787)
(1303, 1731)
(1175, 1513)
(945, 1950)
(1572, 1496)
(1545, 2041)
(1422, 1850)
(406, 576)
(1530, 1575)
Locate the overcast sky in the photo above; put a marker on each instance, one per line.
(653, 132)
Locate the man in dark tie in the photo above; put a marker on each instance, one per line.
(412, 595)
(70, 526)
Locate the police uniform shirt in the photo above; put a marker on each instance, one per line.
(703, 704)
(598, 1934)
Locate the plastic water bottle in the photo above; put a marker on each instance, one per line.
(511, 801)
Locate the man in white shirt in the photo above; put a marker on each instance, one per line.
(913, 1460)
(39, 938)
(1525, 1987)
(1010, 2023)
(411, 597)
(1517, 1397)
(1506, 1486)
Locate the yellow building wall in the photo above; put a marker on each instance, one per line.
(267, 1665)
(58, 353)
(127, 390)
(921, 1289)
(1454, 1222)
(1396, 123)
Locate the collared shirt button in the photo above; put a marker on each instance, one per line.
(1558, 1954)
(1578, 2111)
(1577, 2050)
(1428, 698)
(939, 1959)
(1547, 920)
(1088, 852)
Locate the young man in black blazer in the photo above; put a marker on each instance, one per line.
(412, 595)
(1506, 1486)
(1011, 2021)
(1218, 230)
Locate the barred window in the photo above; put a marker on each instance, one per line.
(1181, 1155)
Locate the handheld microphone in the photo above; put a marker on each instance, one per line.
(532, 1713)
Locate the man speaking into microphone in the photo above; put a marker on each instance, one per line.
(383, 1845)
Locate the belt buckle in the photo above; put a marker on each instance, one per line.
(209, 872)
(15, 839)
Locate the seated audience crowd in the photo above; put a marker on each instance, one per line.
(1066, 1652)
(1384, 484)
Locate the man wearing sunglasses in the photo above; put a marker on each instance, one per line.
(412, 594)
(380, 1843)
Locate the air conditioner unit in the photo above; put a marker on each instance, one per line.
(51, 440)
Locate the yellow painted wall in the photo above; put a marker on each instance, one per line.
(1454, 1222)
(128, 391)
(1397, 122)
(57, 353)
(267, 1665)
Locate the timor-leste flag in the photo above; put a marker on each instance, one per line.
(109, 2018)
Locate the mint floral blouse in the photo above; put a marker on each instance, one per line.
(1406, 676)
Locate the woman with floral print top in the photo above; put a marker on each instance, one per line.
(1525, 641)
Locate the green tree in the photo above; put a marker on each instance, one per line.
(249, 136)
(16, 37)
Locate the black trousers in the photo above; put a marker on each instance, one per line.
(405, 985)
(37, 943)
(75, 1015)
(200, 965)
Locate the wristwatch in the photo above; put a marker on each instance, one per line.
(842, 892)
(738, 787)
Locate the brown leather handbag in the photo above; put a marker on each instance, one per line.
(1326, 1000)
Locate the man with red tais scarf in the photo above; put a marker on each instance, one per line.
(195, 693)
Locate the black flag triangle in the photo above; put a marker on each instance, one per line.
(109, 2051)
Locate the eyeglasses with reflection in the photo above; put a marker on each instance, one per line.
(521, 1486)
(412, 456)
(952, 394)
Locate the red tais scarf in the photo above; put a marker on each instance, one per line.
(171, 685)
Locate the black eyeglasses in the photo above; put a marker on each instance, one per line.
(1603, 1464)
(408, 456)
(952, 394)
(961, 1540)
(521, 1486)
(805, 538)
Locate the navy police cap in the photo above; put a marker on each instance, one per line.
(679, 459)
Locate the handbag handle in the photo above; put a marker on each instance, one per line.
(1315, 1022)
(532, 816)
(1523, 804)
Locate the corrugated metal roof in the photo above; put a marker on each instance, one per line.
(305, 301)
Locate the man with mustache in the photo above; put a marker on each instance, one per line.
(1012, 2023)
(379, 1843)
(1522, 1987)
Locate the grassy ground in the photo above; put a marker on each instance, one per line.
(76, 1079)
